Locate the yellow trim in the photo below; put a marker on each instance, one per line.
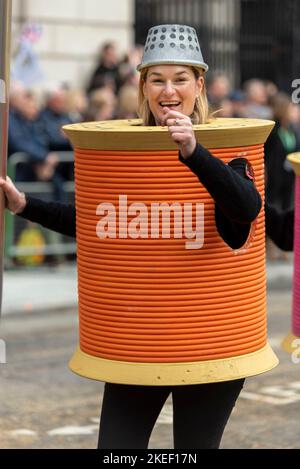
(294, 158)
(127, 135)
(287, 343)
(162, 374)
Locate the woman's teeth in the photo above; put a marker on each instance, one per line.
(165, 104)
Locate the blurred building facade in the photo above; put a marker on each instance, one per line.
(73, 32)
(242, 38)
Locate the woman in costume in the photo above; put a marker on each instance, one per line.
(172, 94)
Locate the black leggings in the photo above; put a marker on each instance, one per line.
(200, 414)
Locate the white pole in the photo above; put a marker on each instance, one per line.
(5, 35)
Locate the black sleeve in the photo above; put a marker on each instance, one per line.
(280, 227)
(53, 215)
(237, 202)
(234, 193)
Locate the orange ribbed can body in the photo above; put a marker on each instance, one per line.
(150, 299)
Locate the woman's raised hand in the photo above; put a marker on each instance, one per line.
(15, 200)
(181, 129)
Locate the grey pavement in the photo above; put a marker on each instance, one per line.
(55, 288)
(38, 289)
(44, 405)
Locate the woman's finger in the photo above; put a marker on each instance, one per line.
(183, 137)
(181, 128)
(179, 138)
(179, 122)
(174, 115)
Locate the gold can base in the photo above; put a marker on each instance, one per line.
(170, 374)
(288, 344)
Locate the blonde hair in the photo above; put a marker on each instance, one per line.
(200, 115)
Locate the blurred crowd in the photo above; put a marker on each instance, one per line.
(112, 93)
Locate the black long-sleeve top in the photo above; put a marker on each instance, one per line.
(237, 201)
(280, 227)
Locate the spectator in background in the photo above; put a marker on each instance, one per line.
(127, 102)
(218, 91)
(26, 135)
(237, 99)
(256, 100)
(271, 90)
(128, 74)
(135, 55)
(226, 109)
(106, 72)
(102, 105)
(282, 141)
(54, 115)
(77, 103)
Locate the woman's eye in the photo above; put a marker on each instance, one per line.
(180, 80)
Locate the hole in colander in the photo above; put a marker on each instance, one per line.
(190, 38)
(188, 30)
(191, 47)
(163, 37)
(164, 30)
(182, 46)
(181, 30)
(174, 30)
(154, 39)
(155, 31)
(161, 45)
(172, 44)
(146, 48)
(197, 48)
(152, 47)
(181, 38)
(173, 36)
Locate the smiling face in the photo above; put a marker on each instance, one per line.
(172, 86)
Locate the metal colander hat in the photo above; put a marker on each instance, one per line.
(172, 44)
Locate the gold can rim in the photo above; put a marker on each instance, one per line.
(163, 374)
(294, 158)
(130, 134)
